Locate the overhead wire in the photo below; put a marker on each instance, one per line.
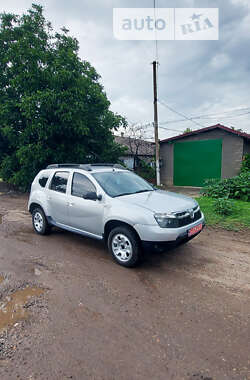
(211, 116)
(179, 113)
(148, 124)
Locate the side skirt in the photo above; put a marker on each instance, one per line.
(72, 229)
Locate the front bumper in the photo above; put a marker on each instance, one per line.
(165, 245)
(154, 233)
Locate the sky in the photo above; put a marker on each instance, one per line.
(210, 79)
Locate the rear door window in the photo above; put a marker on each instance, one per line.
(59, 182)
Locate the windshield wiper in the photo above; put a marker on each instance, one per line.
(142, 191)
(120, 195)
(136, 192)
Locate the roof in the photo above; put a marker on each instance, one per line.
(217, 126)
(145, 148)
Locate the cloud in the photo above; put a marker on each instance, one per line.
(195, 77)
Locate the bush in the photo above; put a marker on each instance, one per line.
(146, 171)
(234, 188)
(223, 206)
(245, 166)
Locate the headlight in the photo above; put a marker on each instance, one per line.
(166, 220)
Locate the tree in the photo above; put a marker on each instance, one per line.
(136, 136)
(52, 105)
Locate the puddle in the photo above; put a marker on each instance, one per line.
(12, 308)
(1, 279)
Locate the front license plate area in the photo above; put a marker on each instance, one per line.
(193, 231)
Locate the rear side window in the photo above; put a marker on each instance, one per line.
(43, 180)
(59, 182)
(81, 185)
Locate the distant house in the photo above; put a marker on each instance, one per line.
(213, 152)
(137, 150)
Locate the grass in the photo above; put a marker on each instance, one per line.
(239, 220)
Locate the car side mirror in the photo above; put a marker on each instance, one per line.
(92, 196)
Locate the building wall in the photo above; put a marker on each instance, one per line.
(129, 160)
(232, 152)
(167, 169)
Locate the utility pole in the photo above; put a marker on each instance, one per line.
(157, 145)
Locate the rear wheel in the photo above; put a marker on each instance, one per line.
(40, 222)
(124, 246)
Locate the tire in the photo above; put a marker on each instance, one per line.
(124, 246)
(40, 223)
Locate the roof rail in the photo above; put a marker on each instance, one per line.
(87, 167)
(80, 166)
(53, 166)
(116, 166)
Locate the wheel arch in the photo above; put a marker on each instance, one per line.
(34, 205)
(111, 224)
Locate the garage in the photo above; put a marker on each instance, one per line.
(212, 152)
(191, 160)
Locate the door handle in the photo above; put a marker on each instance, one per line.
(70, 204)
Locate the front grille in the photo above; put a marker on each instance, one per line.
(188, 220)
(183, 218)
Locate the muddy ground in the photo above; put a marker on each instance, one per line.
(183, 314)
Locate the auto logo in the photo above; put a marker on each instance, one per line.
(191, 213)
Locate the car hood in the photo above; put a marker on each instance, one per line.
(160, 201)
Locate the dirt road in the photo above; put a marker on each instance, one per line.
(184, 314)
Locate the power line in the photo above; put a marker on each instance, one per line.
(170, 129)
(147, 124)
(211, 116)
(226, 112)
(229, 117)
(180, 114)
(151, 124)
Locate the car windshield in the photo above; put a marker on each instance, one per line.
(117, 184)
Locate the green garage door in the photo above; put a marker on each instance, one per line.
(195, 161)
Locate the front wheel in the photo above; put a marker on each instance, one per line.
(124, 246)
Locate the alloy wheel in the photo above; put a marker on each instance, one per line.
(122, 247)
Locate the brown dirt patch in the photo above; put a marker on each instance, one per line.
(12, 308)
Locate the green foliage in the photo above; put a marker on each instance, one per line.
(223, 206)
(146, 171)
(235, 188)
(238, 220)
(52, 105)
(188, 130)
(245, 166)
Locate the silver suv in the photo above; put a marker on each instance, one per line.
(110, 203)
